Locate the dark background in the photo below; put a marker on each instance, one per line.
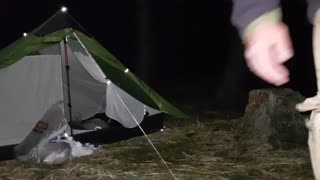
(186, 50)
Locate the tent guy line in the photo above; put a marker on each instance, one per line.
(150, 142)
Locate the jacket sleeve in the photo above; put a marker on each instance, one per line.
(246, 11)
(313, 6)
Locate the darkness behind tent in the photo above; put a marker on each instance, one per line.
(187, 51)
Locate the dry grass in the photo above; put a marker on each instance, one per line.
(198, 148)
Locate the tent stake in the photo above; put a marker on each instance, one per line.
(65, 41)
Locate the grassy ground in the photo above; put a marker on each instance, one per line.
(203, 147)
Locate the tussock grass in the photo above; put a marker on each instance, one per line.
(204, 147)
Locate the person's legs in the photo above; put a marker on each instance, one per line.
(314, 102)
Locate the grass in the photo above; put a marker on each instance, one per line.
(204, 147)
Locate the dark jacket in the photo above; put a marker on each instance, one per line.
(245, 11)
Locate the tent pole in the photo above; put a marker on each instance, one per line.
(65, 41)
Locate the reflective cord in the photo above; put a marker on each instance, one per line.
(146, 136)
(90, 56)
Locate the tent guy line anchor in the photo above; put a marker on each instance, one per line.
(149, 140)
(313, 104)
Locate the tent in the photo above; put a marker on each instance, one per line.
(60, 62)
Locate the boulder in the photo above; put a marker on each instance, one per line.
(271, 117)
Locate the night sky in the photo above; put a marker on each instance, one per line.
(186, 50)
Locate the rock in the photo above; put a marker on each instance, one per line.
(271, 117)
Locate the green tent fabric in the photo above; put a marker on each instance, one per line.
(112, 67)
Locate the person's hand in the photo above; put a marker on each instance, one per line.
(268, 46)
